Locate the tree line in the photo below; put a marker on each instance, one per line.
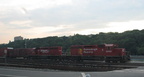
(133, 41)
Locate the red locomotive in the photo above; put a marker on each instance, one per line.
(5, 51)
(53, 51)
(105, 52)
(21, 52)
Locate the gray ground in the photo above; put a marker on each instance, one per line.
(28, 72)
(31, 72)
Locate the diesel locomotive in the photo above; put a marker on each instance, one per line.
(104, 52)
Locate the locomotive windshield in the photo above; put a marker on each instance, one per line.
(101, 46)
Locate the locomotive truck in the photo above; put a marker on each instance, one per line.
(104, 52)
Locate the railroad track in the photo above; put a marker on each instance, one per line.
(68, 65)
(43, 61)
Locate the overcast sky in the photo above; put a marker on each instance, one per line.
(43, 18)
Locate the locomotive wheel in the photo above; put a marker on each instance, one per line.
(114, 61)
(107, 61)
(122, 61)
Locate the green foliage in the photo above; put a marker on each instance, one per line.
(133, 41)
(140, 51)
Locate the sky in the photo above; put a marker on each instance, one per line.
(44, 18)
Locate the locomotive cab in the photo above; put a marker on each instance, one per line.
(115, 54)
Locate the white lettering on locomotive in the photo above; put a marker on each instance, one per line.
(90, 50)
(44, 51)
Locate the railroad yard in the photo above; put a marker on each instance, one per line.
(105, 57)
(68, 66)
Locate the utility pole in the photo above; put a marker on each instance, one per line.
(5, 51)
(25, 44)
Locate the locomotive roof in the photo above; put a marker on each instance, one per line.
(111, 45)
